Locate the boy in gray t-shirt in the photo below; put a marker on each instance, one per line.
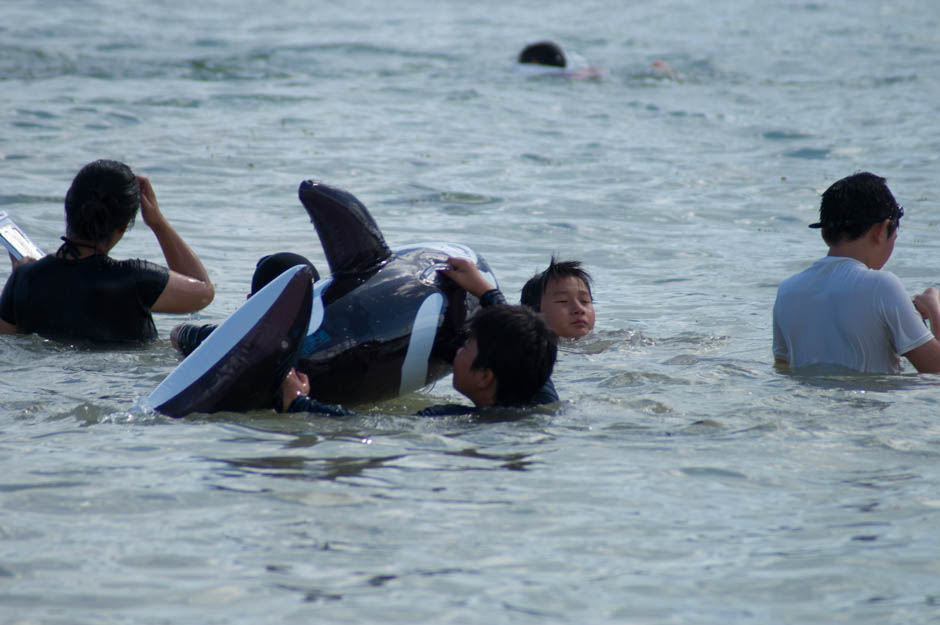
(844, 310)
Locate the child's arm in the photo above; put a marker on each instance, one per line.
(926, 358)
(295, 385)
(186, 337)
(295, 398)
(466, 275)
(189, 288)
(6, 298)
(928, 305)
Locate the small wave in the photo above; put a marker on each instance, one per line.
(628, 379)
(451, 201)
(537, 158)
(841, 378)
(785, 135)
(281, 62)
(207, 61)
(463, 95)
(605, 340)
(18, 199)
(712, 472)
(690, 338)
(17, 63)
(809, 153)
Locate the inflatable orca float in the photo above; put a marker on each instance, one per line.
(241, 365)
(385, 322)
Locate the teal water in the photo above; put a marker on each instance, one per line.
(683, 480)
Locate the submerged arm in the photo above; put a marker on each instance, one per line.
(295, 398)
(5, 326)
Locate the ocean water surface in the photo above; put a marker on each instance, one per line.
(683, 479)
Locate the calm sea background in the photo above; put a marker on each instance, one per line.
(684, 480)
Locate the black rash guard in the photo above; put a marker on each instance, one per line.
(96, 298)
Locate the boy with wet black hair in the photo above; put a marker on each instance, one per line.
(845, 311)
(505, 361)
(562, 293)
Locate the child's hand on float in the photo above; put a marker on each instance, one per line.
(295, 385)
(466, 275)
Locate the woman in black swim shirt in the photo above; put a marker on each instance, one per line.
(80, 292)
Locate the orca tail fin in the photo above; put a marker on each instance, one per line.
(350, 238)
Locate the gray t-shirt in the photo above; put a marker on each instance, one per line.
(840, 312)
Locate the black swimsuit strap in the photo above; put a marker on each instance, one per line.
(69, 249)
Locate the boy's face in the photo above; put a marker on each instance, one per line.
(463, 367)
(886, 248)
(567, 307)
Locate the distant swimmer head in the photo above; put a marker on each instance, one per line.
(104, 198)
(271, 266)
(543, 53)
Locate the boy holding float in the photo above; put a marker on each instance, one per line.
(505, 361)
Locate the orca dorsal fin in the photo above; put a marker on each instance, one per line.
(351, 240)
